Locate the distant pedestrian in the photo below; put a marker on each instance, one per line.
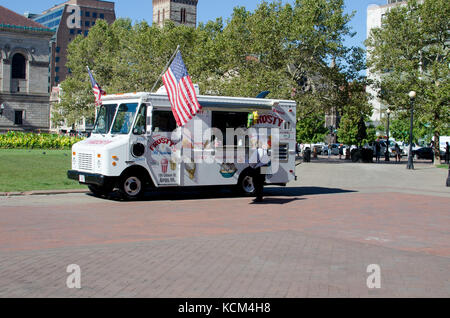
(341, 151)
(447, 153)
(398, 153)
(377, 150)
(329, 151)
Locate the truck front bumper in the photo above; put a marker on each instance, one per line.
(87, 178)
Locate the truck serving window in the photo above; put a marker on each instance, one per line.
(163, 121)
(104, 119)
(224, 120)
(124, 118)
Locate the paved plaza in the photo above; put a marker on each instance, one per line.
(314, 238)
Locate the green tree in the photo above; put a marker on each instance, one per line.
(411, 50)
(357, 111)
(312, 129)
(294, 50)
(399, 129)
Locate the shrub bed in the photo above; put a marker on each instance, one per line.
(20, 140)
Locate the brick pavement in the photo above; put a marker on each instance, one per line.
(305, 241)
(270, 264)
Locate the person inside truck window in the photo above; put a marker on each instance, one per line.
(163, 121)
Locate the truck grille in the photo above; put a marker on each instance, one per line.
(283, 152)
(85, 161)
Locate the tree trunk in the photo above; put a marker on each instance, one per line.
(437, 153)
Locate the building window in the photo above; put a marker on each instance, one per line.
(86, 33)
(72, 31)
(93, 23)
(183, 15)
(56, 79)
(57, 59)
(88, 14)
(19, 66)
(94, 15)
(79, 31)
(18, 117)
(58, 49)
(102, 16)
(57, 69)
(86, 23)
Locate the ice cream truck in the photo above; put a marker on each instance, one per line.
(136, 145)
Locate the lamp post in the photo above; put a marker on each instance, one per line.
(410, 165)
(386, 153)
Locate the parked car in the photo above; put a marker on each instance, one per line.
(423, 153)
(317, 148)
(347, 149)
(406, 148)
(334, 149)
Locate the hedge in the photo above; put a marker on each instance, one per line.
(20, 140)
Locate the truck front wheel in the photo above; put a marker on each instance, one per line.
(131, 187)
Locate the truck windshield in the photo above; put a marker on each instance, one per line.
(104, 119)
(124, 118)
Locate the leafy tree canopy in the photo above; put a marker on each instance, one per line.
(411, 51)
(294, 50)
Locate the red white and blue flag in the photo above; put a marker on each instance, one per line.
(181, 91)
(98, 92)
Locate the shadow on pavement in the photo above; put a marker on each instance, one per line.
(269, 200)
(299, 191)
(271, 194)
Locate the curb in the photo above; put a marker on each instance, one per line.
(42, 192)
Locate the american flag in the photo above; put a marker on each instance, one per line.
(98, 92)
(181, 91)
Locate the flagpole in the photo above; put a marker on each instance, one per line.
(97, 108)
(165, 68)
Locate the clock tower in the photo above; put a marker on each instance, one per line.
(179, 11)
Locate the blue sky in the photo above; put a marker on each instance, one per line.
(139, 10)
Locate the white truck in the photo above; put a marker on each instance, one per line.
(135, 144)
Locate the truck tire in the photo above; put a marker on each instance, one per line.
(100, 191)
(246, 184)
(131, 186)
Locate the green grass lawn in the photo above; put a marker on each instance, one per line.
(25, 170)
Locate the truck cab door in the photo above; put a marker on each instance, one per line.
(163, 153)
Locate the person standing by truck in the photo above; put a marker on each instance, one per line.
(447, 153)
(398, 153)
(377, 151)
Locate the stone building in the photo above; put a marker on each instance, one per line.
(24, 62)
(68, 20)
(179, 11)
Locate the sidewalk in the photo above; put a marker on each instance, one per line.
(42, 192)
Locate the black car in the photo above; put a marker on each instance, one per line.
(423, 153)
